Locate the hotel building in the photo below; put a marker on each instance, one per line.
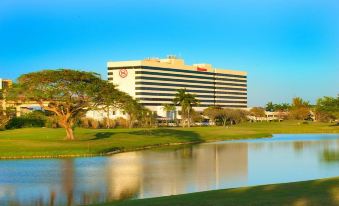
(154, 82)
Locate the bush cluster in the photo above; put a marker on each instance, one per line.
(104, 123)
(33, 119)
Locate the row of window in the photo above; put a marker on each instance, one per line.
(188, 81)
(188, 90)
(202, 100)
(188, 86)
(180, 70)
(200, 105)
(198, 95)
(189, 76)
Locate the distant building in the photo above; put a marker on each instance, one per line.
(5, 83)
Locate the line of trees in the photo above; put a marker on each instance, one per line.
(225, 116)
(326, 109)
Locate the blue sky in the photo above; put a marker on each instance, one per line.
(289, 47)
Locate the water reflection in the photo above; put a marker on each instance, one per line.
(168, 171)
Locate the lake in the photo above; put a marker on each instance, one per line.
(169, 171)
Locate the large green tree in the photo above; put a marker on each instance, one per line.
(111, 100)
(327, 108)
(66, 93)
(257, 112)
(133, 110)
(186, 101)
(300, 109)
(212, 112)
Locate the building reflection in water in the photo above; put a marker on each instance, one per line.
(189, 169)
(123, 176)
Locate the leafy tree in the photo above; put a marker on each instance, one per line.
(186, 101)
(212, 113)
(147, 118)
(283, 107)
(300, 109)
(327, 108)
(298, 102)
(196, 116)
(270, 107)
(133, 109)
(225, 115)
(238, 115)
(111, 99)
(3, 118)
(257, 112)
(66, 93)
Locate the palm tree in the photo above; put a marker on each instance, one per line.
(168, 108)
(186, 101)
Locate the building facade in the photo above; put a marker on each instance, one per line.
(154, 82)
(5, 83)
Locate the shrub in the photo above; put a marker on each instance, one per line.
(121, 122)
(52, 122)
(108, 123)
(85, 123)
(95, 124)
(33, 119)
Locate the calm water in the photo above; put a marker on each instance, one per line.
(152, 173)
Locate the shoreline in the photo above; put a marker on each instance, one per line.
(285, 193)
(143, 148)
(123, 150)
(43, 143)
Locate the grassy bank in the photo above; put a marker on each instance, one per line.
(316, 192)
(45, 142)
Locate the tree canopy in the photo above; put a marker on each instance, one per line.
(66, 93)
(327, 108)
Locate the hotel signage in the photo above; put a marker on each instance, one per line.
(123, 73)
(200, 69)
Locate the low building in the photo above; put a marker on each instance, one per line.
(5, 83)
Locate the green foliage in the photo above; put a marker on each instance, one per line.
(69, 94)
(186, 101)
(33, 119)
(257, 112)
(327, 109)
(225, 115)
(283, 107)
(300, 109)
(212, 113)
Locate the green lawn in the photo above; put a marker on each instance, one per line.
(323, 192)
(45, 142)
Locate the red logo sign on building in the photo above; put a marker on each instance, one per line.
(200, 69)
(123, 73)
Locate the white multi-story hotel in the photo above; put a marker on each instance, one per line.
(154, 82)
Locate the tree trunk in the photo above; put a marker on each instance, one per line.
(188, 118)
(69, 132)
(108, 122)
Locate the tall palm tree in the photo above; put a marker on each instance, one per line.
(186, 101)
(168, 108)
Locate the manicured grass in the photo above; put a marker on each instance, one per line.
(45, 142)
(316, 192)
